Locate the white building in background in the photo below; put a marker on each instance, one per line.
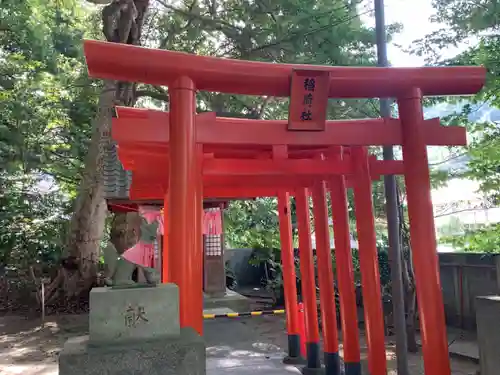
(459, 206)
(459, 202)
(460, 199)
(354, 243)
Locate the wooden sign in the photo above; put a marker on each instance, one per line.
(308, 100)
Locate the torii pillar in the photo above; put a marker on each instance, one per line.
(182, 202)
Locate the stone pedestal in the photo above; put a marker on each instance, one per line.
(121, 315)
(182, 355)
(488, 333)
(134, 331)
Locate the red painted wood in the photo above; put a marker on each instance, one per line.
(149, 126)
(124, 62)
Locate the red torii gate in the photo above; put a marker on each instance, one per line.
(184, 73)
(292, 176)
(150, 155)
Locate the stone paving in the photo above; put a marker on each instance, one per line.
(463, 344)
(234, 346)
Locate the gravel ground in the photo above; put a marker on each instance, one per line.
(27, 348)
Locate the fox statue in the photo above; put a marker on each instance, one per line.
(119, 270)
(140, 257)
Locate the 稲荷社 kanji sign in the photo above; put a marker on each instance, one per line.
(308, 100)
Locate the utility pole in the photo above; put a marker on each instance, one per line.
(392, 212)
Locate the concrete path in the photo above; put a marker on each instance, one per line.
(461, 344)
(234, 346)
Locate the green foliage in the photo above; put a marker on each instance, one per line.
(483, 240)
(47, 103)
(252, 224)
(472, 26)
(484, 164)
(271, 259)
(32, 221)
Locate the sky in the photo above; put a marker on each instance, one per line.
(414, 16)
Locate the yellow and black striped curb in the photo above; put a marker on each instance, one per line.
(244, 314)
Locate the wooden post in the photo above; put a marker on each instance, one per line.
(182, 198)
(197, 274)
(345, 273)
(289, 278)
(288, 265)
(370, 274)
(325, 280)
(423, 236)
(308, 279)
(165, 263)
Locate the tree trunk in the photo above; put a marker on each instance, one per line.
(411, 320)
(408, 282)
(125, 27)
(79, 266)
(122, 23)
(410, 301)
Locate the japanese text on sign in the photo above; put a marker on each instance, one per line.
(309, 97)
(133, 315)
(309, 84)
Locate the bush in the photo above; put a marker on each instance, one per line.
(271, 259)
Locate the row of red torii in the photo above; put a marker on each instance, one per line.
(182, 157)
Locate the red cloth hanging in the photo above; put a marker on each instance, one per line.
(212, 222)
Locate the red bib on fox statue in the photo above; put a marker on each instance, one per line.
(143, 252)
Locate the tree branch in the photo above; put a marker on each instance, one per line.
(66, 158)
(449, 159)
(292, 36)
(152, 94)
(464, 210)
(217, 24)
